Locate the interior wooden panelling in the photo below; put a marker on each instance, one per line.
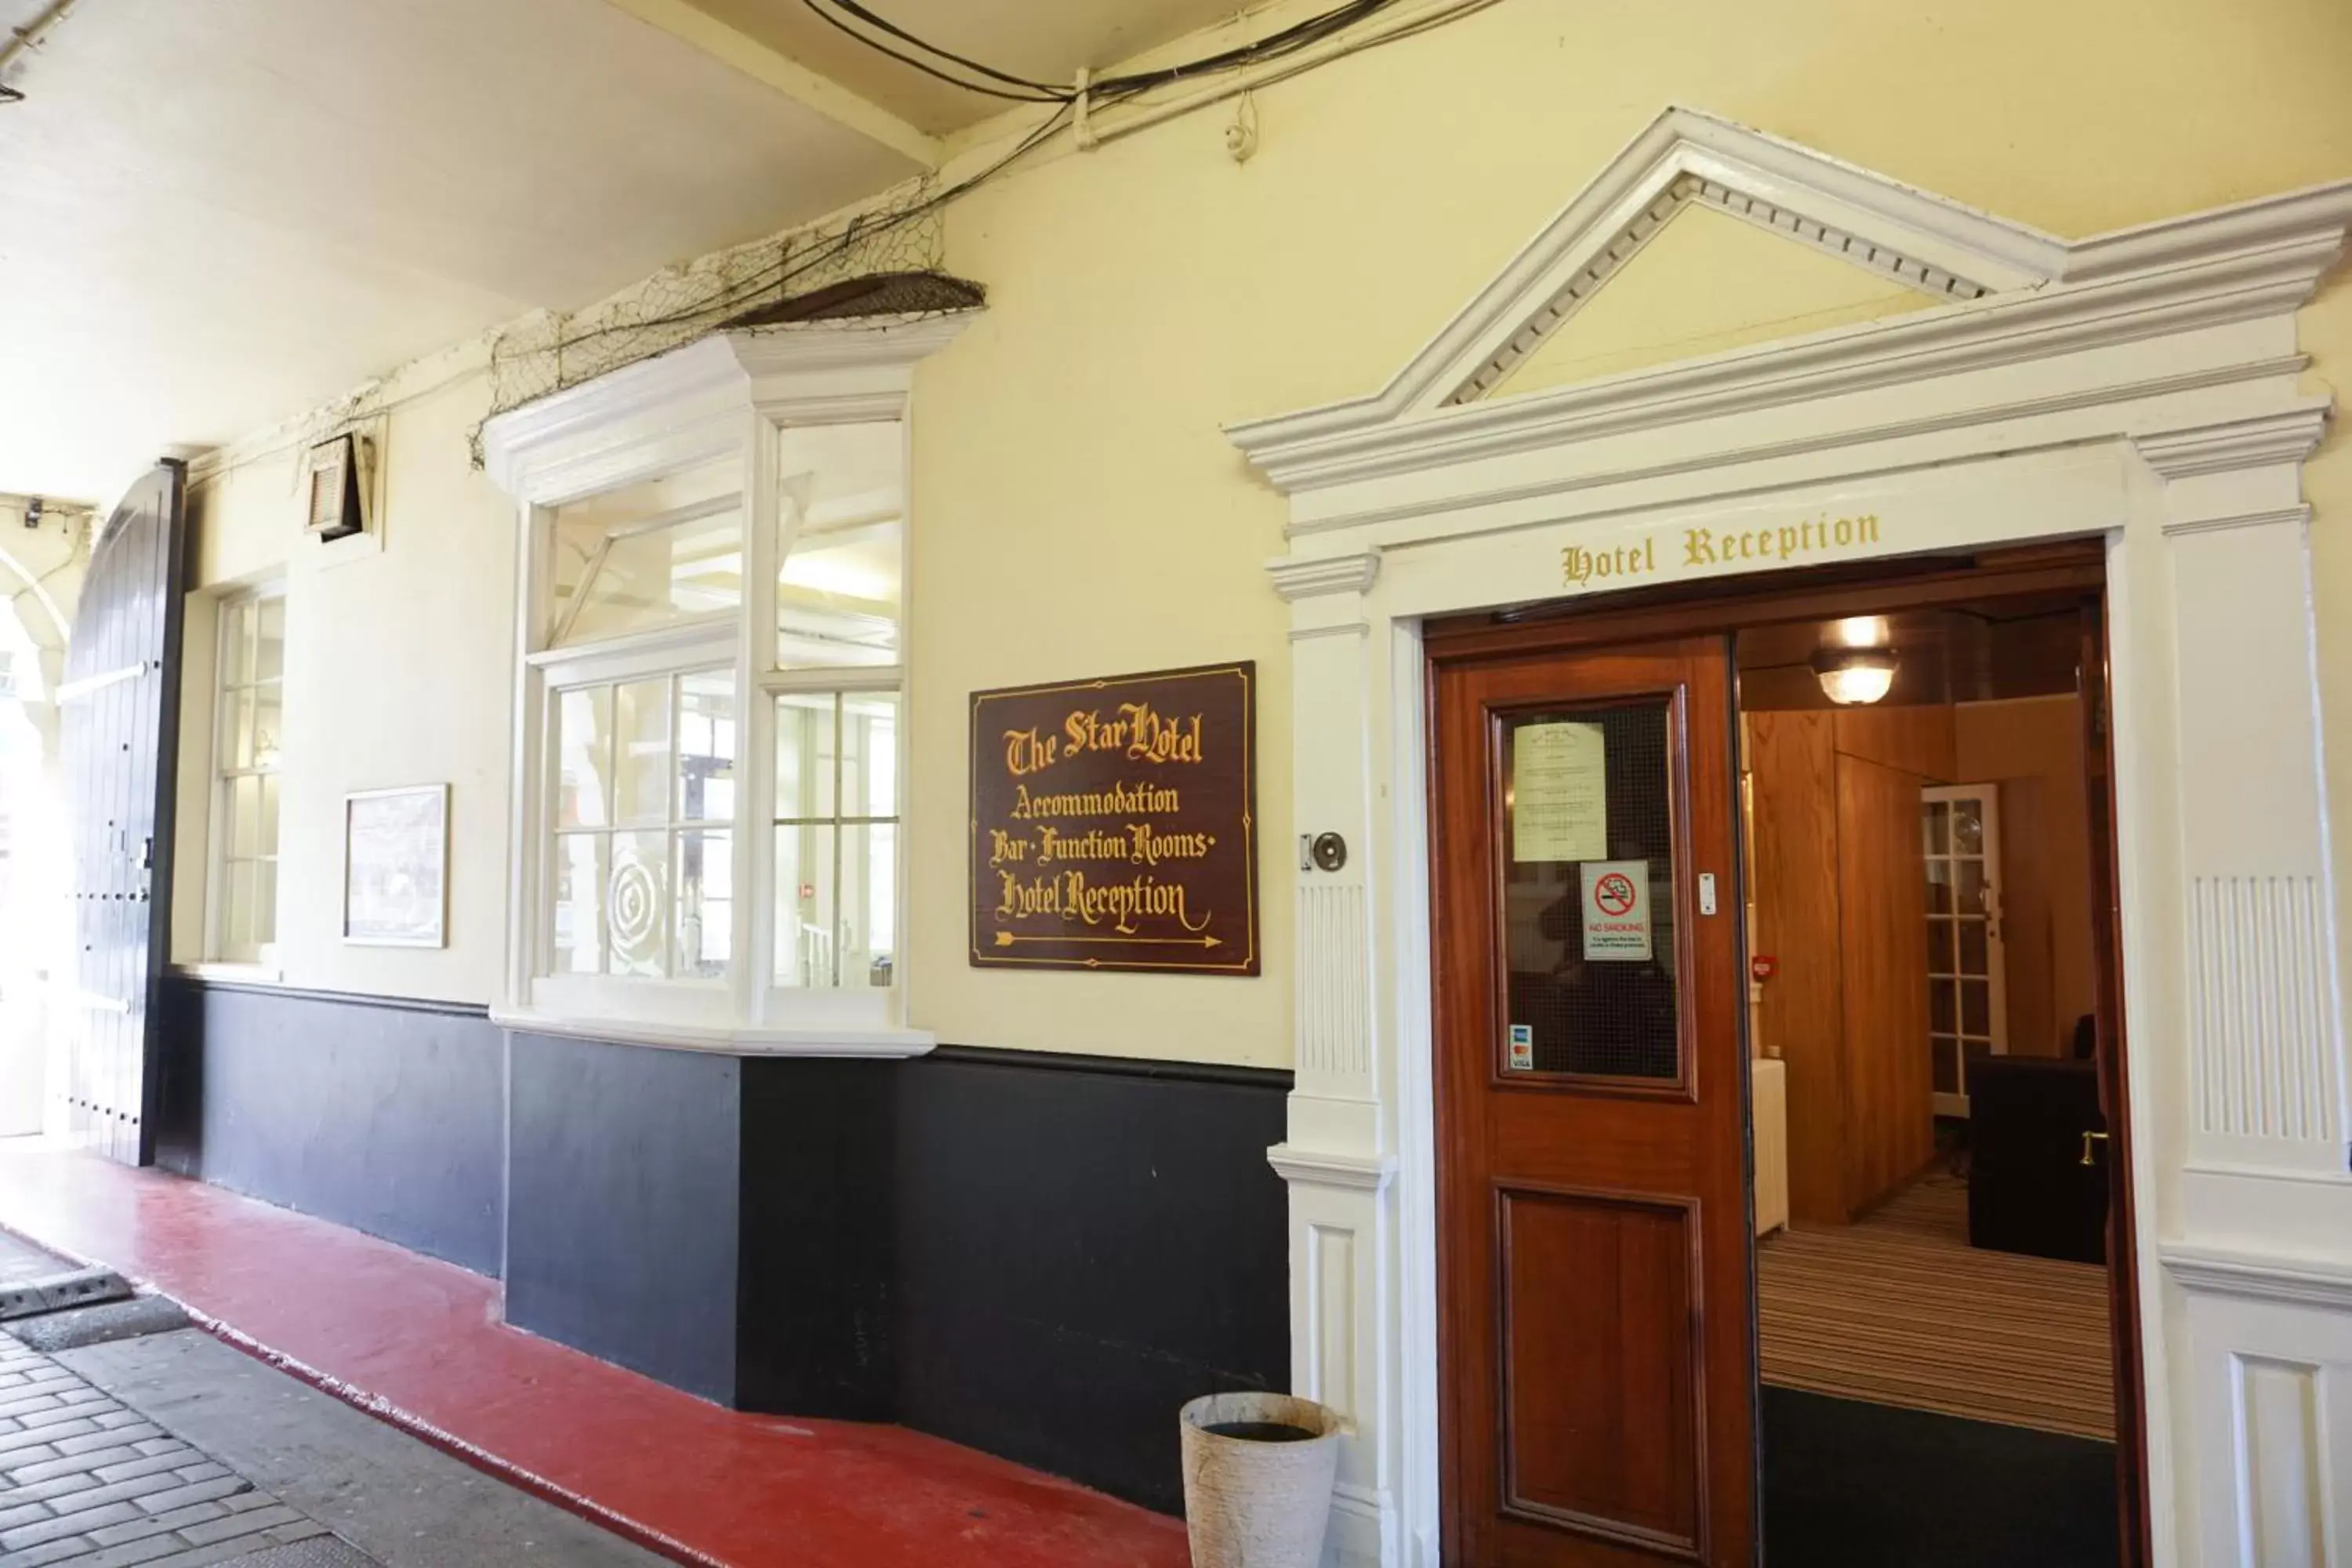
(1599, 1415)
(1794, 768)
(1840, 905)
(1890, 1123)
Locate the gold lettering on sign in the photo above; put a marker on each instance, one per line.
(1582, 566)
(1111, 823)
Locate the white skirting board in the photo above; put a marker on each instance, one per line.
(1767, 1095)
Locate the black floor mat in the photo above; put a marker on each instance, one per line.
(1848, 1485)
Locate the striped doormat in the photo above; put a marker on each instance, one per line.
(1900, 1309)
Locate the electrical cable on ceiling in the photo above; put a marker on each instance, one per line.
(1030, 91)
(1106, 89)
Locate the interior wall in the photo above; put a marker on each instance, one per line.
(1839, 904)
(2033, 747)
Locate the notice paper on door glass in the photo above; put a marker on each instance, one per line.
(1559, 793)
(1616, 910)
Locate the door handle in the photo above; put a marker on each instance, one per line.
(2088, 1139)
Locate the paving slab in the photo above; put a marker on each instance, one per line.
(398, 1500)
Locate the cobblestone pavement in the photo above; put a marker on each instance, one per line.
(87, 1482)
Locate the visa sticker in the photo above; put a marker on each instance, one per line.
(1523, 1048)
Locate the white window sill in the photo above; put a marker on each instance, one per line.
(848, 1041)
(233, 974)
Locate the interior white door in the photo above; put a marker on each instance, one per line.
(1968, 994)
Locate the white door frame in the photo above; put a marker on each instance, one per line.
(2138, 387)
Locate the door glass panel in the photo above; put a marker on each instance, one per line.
(1588, 896)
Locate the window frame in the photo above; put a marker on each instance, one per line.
(221, 782)
(732, 393)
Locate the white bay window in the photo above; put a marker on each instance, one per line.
(709, 745)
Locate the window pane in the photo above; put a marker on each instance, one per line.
(237, 643)
(269, 725)
(636, 904)
(805, 928)
(1969, 886)
(870, 744)
(578, 928)
(840, 544)
(1968, 827)
(265, 837)
(584, 757)
(706, 905)
(1940, 887)
(236, 909)
(265, 902)
(1975, 1008)
(804, 755)
(270, 649)
(666, 550)
(1947, 1064)
(641, 712)
(1589, 893)
(245, 817)
(1943, 1011)
(706, 747)
(1937, 820)
(1975, 950)
(1940, 946)
(235, 730)
(869, 873)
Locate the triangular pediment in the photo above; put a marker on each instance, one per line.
(1898, 237)
(1706, 282)
(1852, 279)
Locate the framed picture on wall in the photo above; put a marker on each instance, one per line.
(396, 867)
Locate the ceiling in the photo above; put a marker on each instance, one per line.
(215, 217)
(1043, 41)
(1996, 650)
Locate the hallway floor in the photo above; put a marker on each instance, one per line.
(418, 1342)
(1899, 1309)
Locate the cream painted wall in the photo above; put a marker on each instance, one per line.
(398, 671)
(1074, 495)
(1078, 511)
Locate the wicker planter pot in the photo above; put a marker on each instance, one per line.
(1253, 1503)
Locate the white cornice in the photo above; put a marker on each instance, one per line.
(2297, 1281)
(551, 446)
(1303, 577)
(2287, 437)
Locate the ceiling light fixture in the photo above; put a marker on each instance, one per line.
(1856, 675)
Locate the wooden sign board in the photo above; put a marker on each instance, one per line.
(1114, 824)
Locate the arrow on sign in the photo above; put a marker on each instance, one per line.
(1006, 938)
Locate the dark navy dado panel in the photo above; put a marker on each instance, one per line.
(623, 1205)
(383, 1114)
(1084, 1244)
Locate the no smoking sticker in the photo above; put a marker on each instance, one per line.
(1616, 910)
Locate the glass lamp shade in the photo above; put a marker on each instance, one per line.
(1851, 677)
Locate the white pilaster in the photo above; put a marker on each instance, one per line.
(1337, 1156)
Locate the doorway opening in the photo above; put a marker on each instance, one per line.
(1936, 1344)
(1815, 870)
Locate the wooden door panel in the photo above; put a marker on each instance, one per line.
(1596, 1348)
(1602, 1368)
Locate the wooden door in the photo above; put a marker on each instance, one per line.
(121, 699)
(2114, 1152)
(1597, 1345)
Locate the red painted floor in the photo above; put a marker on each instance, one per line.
(419, 1342)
